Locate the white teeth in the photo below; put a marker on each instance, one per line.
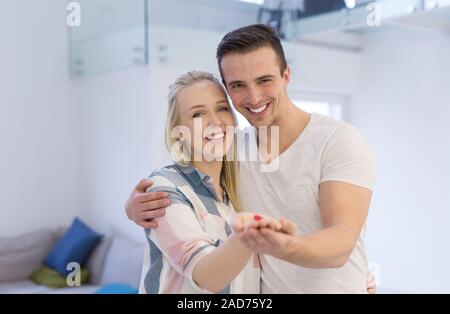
(215, 136)
(260, 109)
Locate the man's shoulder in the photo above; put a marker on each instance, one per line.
(329, 128)
(165, 171)
(326, 124)
(167, 176)
(168, 179)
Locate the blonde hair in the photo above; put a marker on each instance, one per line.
(229, 175)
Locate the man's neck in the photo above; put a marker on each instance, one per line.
(291, 123)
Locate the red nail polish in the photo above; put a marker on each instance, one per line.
(257, 217)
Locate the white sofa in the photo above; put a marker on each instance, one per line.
(114, 260)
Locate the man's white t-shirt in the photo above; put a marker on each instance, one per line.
(327, 150)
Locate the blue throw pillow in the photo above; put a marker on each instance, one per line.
(75, 246)
(117, 288)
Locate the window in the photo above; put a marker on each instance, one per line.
(332, 110)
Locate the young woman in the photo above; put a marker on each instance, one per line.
(194, 250)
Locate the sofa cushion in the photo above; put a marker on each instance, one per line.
(84, 289)
(23, 254)
(96, 260)
(123, 263)
(28, 287)
(52, 279)
(74, 246)
(21, 287)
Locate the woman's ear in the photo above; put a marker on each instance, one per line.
(178, 133)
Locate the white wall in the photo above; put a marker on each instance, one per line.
(38, 119)
(116, 143)
(404, 111)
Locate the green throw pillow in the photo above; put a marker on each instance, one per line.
(52, 279)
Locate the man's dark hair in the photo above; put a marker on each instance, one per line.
(249, 38)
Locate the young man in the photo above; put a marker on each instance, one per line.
(323, 180)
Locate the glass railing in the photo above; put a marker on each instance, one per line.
(323, 16)
(106, 35)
